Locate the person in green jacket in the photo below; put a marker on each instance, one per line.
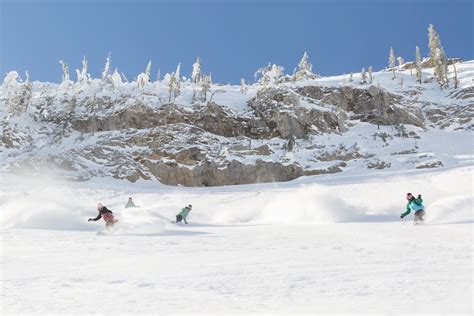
(415, 205)
(183, 214)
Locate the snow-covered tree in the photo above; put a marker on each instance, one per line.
(66, 77)
(196, 74)
(11, 80)
(106, 72)
(169, 80)
(401, 61)
(438, 57)
(116, 78)
(304, 69)
(441, 67)
(455, 79)
(206, 83)
(401, 82)
(172, 81)
(391, 62)
(350, 77)
(270, 74)
(433, 43)
(83, 76)
(148, 70)
(18, 95)
(363, 76)
(371, 78)
(243, 86)
(144, 77)
(177, 88)
(418, 64)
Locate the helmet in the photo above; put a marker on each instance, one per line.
(99, 206)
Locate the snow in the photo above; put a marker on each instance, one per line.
(328, 244)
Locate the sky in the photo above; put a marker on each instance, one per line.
(233, 38)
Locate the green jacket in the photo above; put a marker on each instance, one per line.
(414, 205)
(184, 212)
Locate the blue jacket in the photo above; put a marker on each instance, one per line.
(414, 205)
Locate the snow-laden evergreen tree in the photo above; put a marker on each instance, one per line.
(441, 67)
(106, 72)
(66, 77)
(18, 94)
(363, 76)
(264, 79)
(196, 74)
(144, 77)
(371, 77)
(269, 75)
(304, 70)
(116, 78)
(350, 77)
(206, 83)
(418, 65)
(401, 61)
(243, 86)
(455, 79)
(391, 62)
(177, 86)
(275, 74)
(170, 81)
(83, 76)
(433, 43)
(148, 70)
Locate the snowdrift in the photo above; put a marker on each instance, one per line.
(46, 204)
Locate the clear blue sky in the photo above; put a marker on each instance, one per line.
(233, 38)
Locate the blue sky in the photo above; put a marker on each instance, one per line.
(233, 38)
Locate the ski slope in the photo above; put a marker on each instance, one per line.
(315, 245)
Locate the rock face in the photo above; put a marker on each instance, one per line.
(279, 133)
(233, 172)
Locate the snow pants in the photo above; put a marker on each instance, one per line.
(179, 218)
(419, 216)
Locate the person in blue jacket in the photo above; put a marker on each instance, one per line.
(183, 214)
(414, 205)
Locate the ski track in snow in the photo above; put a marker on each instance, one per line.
(333, 246)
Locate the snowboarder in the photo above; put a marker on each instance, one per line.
(106, 214)
(130, 203)
(415, 205)
(183, 214)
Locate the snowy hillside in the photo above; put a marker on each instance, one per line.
(210, 134)
(335, 245)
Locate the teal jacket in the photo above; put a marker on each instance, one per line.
(184, 212)
(414, 205)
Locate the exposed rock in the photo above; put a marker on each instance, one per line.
(432, 164)
(378, 165)
(212, 174)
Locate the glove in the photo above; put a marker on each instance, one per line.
(89, 220)
(401, 216)
(419, 196)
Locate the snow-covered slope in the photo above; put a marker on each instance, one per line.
(274, 132)
(333, 243)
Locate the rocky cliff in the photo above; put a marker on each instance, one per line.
(272, 133)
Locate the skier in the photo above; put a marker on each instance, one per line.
(183, 214)
(106, 214)
(130, 203)
(415, 205)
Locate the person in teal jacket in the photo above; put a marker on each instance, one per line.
(183, 214)
(415, 205)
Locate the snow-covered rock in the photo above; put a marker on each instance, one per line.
(276, 132)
